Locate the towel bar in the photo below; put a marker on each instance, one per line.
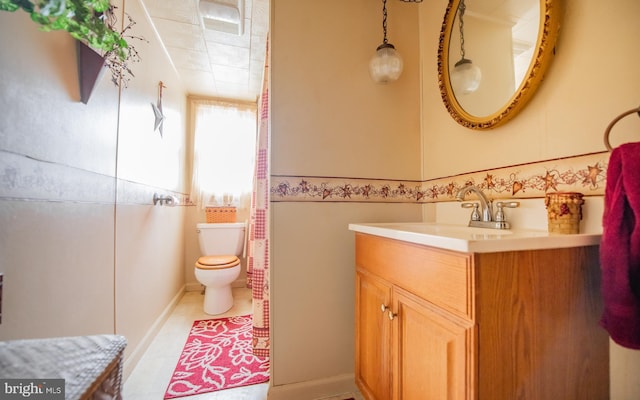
(615, 120)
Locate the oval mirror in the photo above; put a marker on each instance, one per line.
(492, 56)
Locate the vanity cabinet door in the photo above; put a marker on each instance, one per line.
(433, 351)
(373, 337)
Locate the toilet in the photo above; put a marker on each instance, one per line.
(219, 265)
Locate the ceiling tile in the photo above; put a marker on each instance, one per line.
(258, 48)
(212, 63)
(189, 59)
(175, 10)
(222, 54)
(228, 74)
(260, 18)
(180, 34)
(198, 82)
(243, 40)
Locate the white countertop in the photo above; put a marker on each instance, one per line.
(475, 240)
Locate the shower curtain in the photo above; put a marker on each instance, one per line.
(258, 256)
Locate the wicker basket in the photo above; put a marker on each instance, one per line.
(564, 212)
(220, 214)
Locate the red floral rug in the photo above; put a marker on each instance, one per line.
(217, 356)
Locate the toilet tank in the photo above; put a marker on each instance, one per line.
(221, 238)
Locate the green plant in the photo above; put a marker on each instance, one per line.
(91, 21)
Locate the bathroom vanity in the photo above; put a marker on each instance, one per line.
(448, 312)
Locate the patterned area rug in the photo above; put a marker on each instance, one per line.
(217, 356)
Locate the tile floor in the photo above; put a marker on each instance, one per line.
(150, 377)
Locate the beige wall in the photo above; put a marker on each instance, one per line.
(82, 249)
(348, 128)
(330, 119)
(327, 116)
(593, 78)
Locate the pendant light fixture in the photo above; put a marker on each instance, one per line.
(466, 76)
(386, 64)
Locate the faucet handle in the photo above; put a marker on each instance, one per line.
(500, 212)
(509, 204)
(475, 214)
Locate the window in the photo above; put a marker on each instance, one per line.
(224, 153)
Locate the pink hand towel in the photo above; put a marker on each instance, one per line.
(620, 247)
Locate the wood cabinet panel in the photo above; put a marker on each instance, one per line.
(442, 277)
(538, 330)
(433, 357)
(373, 337)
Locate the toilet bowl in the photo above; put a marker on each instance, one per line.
(219, 265)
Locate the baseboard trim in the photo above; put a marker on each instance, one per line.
(131, 361)
(193, 287)
(239, 283)
(316, 389)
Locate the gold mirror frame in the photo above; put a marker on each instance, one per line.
(545, 46)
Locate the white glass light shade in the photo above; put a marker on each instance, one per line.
(386, 65)
(465, 77)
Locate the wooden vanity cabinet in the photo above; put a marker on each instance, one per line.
(434, 324)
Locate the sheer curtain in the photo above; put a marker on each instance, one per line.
(224, 152)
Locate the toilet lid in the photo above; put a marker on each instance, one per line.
(217, 262)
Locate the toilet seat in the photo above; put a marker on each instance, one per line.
(217, 262)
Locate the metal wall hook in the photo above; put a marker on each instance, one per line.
(165, 200)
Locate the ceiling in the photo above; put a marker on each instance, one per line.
(225, 65)
(211, 62)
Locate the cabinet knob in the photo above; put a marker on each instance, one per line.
(383, 308)
(392, 315)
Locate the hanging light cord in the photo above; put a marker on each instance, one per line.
(384, 16)
(462, 7)
(384, 21)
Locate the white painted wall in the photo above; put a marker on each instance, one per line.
(82, 249)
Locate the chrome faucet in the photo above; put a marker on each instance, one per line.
(485, 218)
(486, 210)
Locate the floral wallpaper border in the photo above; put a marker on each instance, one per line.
(585, 174)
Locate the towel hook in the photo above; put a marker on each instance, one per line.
(615, 121)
